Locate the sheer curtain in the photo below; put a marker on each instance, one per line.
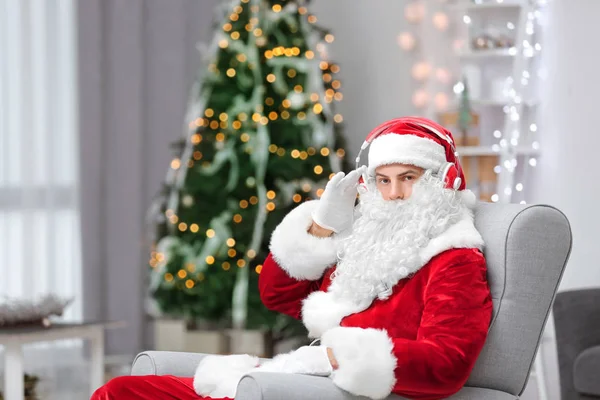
(39, 211)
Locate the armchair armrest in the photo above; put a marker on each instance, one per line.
(166, 363)
(276, 386)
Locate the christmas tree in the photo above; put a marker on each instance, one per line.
(261, 137)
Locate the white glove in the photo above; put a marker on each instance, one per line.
(336, 206)
(309, 360)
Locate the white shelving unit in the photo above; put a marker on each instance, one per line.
(501, 99)
(493, 151)
(507, 125)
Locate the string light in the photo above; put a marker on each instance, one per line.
(175, 164)
(243, 204)
(241, 263)
(281, 152)
(231, 253)
(181, 274)
(318, 170)
(253, 200)
(271, 194)
(237, 218)
(406, 41)
(189, 284)
(194, 228)
(168, 277)
(329, 38)
(441, 21)
(210, 260)
(182, 226)
(210, 233)
(230, 242)
(270, 206)
(251, 253)
(303, 155)
(297, 198)
(225, 266)
(258, 269)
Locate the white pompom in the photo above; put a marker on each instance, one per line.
(468, 198)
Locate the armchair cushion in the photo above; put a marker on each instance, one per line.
(585, 371)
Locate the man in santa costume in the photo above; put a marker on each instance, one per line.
(395, 288)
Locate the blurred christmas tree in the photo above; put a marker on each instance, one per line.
(261, 137)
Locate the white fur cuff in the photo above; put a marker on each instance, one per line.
(302, 255)
(322, 311)
(218, 376)
(366, 360)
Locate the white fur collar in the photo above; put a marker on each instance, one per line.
(322, 311)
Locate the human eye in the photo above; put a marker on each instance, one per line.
(383, 181)
(409, 178)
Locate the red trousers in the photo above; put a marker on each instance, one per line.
(149, 387)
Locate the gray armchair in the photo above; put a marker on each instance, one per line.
(577, 326)
(527, 248)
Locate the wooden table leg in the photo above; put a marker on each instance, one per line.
(13, 372)
(97, 359)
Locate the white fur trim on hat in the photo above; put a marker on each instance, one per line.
(393, 148)
(300, 254)
(366, 360)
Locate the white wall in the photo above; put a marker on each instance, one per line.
(374, 71)
(566, 176)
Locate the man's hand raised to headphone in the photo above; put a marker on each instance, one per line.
(335, 212)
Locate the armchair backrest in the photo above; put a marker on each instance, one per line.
(526, 248)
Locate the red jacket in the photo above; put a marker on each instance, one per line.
(421, 342)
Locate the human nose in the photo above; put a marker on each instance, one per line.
(396, 191)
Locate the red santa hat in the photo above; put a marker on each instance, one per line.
(419, 142)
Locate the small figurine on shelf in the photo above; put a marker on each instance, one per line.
(492, 38)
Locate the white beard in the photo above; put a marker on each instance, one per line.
(387, 237)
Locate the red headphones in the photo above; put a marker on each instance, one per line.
(449, 172)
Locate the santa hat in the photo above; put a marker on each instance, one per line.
(413, 141)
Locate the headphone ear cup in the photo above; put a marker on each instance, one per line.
(362, 184)
(450, 176)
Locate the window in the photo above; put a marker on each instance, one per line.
(39, 212)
